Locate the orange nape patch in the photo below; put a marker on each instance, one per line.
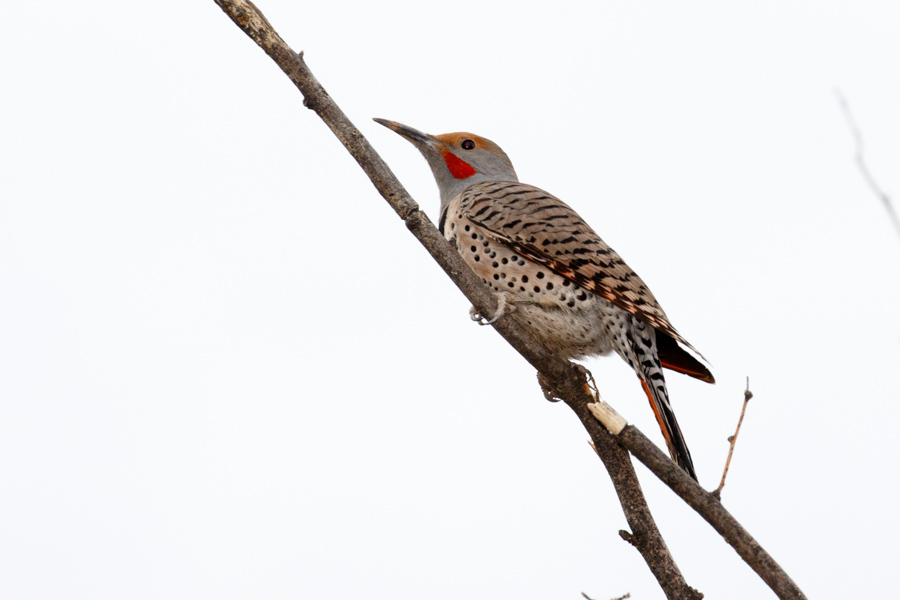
(459, 168)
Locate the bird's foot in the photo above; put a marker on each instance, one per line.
(549, 394)
(589, 385)
(504, 307)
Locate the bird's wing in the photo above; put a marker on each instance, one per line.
(544, 229)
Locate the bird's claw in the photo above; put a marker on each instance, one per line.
(589, 386)
(549, 394)
(504, 307)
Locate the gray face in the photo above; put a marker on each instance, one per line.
(457, 160)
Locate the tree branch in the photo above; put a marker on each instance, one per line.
(861, 162)
(696, 497)
(566, 379)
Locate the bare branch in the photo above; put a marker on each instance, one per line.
(705, 504)
(861, 162)
(566, 379)
(732, 440)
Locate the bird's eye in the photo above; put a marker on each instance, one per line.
(467, 145)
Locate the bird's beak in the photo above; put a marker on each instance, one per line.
(413, 135)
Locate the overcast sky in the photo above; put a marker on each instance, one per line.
(228, 371)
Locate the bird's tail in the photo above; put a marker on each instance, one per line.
(665, 416)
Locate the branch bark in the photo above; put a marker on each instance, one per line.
(566, 379)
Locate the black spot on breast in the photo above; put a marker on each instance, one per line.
(549, 285)
(524, 278)
(540, 274)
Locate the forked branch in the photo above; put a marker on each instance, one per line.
(566, 379)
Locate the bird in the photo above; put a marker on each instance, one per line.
(565, 285)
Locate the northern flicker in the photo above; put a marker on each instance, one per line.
(570, 290)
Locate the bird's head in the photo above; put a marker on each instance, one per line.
(458, 160)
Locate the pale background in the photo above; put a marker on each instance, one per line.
(228, 371)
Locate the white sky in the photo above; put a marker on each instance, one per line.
(227, 370)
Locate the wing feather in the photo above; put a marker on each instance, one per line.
(544, 229)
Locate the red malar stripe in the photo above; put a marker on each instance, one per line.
(458, 167)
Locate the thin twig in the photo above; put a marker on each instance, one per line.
(861, 162)
(732, 440)
(566, 379)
